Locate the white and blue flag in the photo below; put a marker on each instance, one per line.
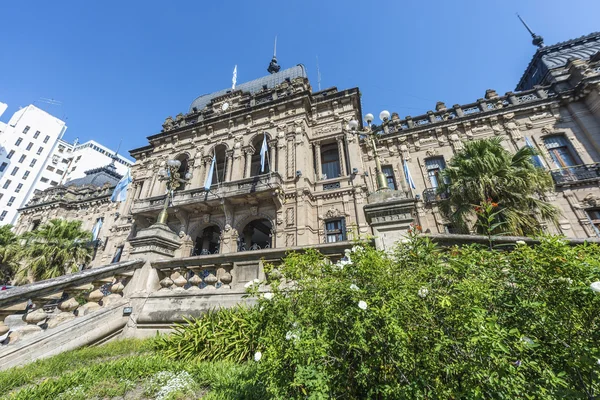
(409, 178)
(537, 160)
(120, 192)
(96, 229)
(263, 153)
(209, 176)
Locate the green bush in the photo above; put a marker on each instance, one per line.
(421, 323)
(425, 323)
(222, 334)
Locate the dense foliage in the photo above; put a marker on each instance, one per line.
(8, 251)
(53, 249)
(428, 323)
(483, 171)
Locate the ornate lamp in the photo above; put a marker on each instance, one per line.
(371, 133)
(171, 175)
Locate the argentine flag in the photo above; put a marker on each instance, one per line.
(263, 153)
(537, 160)
(409, 178)
(96, 229)
(209, 176)
(120, 192)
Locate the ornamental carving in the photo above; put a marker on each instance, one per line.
(168, 124)
(591, 200)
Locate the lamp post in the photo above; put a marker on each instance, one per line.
(174, 180)
(371, 133)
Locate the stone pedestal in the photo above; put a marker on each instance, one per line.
(390, 213)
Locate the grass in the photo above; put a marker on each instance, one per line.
(129, 369)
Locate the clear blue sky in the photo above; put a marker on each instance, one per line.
(121, 67)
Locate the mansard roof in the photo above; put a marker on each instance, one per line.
(98, 177)
(270, 81)
(557, 56)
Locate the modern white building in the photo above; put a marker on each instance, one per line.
(34, 157)
(26, 143)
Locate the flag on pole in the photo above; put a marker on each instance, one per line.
(209, 176)
(234, 80)
(263, 153)
(409, 178)
(120, 191)
(537, 160)
(96, 229)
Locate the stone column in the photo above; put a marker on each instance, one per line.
(228, 165)
(198, 174)
(318, 161)
(249, 153)
(132, 195)
(341, 155)
(291, 158)
(272, 157)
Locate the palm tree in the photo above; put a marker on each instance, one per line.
(9, 249)
(54, 249)
(484, 172)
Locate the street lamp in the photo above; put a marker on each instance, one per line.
(372, 134)
(174, 180)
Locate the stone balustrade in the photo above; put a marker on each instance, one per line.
(46, 304)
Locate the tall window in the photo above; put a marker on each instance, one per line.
(118, 254)
(330, 161)
(14, 171)
(25, 175)
(6, 184)
(26, 129)
(18, 189)
(46, 139)
(40, 150)
(335, 230)
(434, 166)
(3, 166)
(18, 142)
(560, 151)
(11, 201)
(3, 215)
(22, 158)
(10, 154)
(36, 134)
(32, 163)
(388, 171)
(29, 146)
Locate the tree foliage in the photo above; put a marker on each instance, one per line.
(54, 249)
(9, 249)
(483, 171)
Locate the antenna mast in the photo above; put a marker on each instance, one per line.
(537, 40)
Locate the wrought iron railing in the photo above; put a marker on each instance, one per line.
(431, 195)
(576, 174)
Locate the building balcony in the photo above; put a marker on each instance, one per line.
(431, 196)
(263, 187)
(579, 174)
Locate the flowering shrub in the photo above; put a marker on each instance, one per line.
(426, 323)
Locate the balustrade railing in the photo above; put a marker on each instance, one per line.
(196, 278)
(431, 195)
(46, 304)
(575, 174)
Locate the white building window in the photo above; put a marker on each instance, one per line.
(32, 163)
(3, 167)
(18, 189)
(29, 146)
(18, 142)
(25, 175)
(44, 180)
(3, 215)
(11, 201)
(6, 184)
(36, 134)
(46, 139)
(40, 150)
(26, 129)
(10, 154)
(14, 171)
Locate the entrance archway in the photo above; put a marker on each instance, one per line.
(208, 241)
(256, 235)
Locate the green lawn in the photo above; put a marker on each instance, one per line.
(127, 369)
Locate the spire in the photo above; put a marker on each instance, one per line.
(273, 66)
(537, 40)
(115, 157)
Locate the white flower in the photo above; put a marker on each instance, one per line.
(354, 287)
(405, 240)
(257, 356)
(521, 242)
(567, 280)
(268, 295)
(256, 280)
(526, 340)
(342, 263)
(290, 335)
(505, 271)
(362, 305)
(248, 284)
(598, 362)
(423, 292)
(356, 249)
(596, 286)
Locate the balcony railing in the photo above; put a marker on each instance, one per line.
(242, 187)
(431, 195)
(576, 174)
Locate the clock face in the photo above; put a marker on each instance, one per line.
(225, 106)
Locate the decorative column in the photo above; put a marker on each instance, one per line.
(272, 152)
(341, 155)
(249, 153)
(228, 162)
(291, 162)
(206, 169)
(318, 160)
(198, 174)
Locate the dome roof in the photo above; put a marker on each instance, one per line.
(98, 177)
(254, 86)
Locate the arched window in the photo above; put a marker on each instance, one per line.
(256, 235)
(219, 172)
(208, 241)
(257, 157)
